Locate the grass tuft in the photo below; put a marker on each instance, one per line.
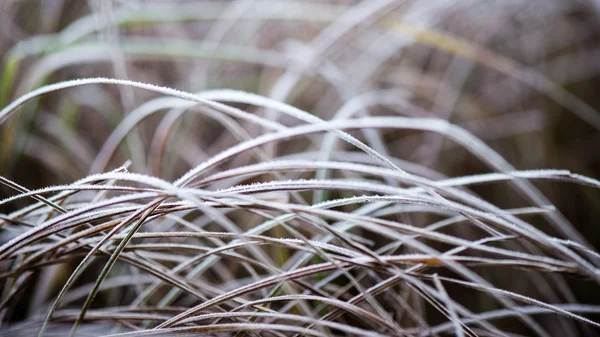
(291, 168)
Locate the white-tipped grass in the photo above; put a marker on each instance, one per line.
(139, 200)
(240, 213)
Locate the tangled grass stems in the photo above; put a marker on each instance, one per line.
(238, 211)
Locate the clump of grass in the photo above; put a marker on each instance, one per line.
(313, 197)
